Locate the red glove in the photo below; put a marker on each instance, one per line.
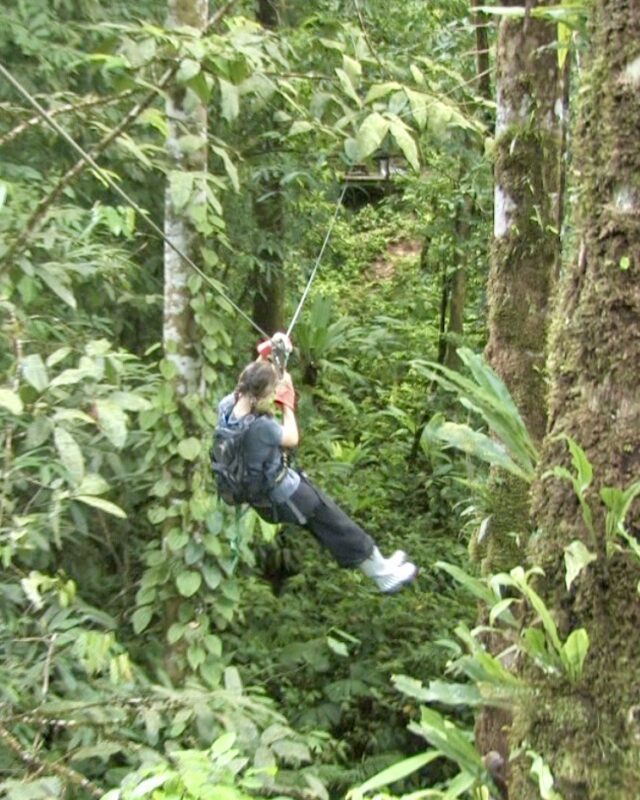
(285, 394)
(277, 340)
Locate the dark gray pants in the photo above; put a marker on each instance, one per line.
(310, 508)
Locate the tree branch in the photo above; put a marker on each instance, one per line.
(365, 33)
(39, 214)
(67, 774)
(36, 219)
(69, 107)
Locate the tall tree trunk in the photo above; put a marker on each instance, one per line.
(526, 244)
(589, 733)
(524, 257)
(186, 114)
(268, 298)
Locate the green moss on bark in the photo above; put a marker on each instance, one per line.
(590, 734)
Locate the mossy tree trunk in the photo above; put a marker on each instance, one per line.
(524, 259)
(589, 733)
(526, 245)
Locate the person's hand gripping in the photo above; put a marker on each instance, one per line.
(285, 393)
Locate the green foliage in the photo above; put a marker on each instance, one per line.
(485, 395)
(542, 774)
(617, 502)
(132, 617)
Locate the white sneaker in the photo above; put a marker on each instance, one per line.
(397, 558)
(389, 574)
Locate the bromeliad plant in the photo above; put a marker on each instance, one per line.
(484, 394)
(617, 502)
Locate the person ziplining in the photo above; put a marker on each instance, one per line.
(247, 423)
(249, 458)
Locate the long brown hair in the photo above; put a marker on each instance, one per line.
(256, 382)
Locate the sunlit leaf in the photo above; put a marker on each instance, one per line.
(189, 449)
(406, 142)
(338, 647)
(59, 286)
(574, 652)
(188, 69)
(230, 99)
(34, 372)
(188, 582)
(576, 558)
(70, 453)
(112, 421)
(347, 86)
(99, 502)
(371, 134)
(11, 401)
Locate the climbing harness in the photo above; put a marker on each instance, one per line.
(278, 350)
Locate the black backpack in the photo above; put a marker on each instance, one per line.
(228, 461)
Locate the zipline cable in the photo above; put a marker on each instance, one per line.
(155, 228)
(317, 264)
(108, 180)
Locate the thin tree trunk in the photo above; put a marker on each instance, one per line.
(589, 733)
(459, 278)
(458, 288)
(186, 115)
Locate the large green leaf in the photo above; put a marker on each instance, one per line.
(476, 586)
(406, 142)
(141, 618)
(99, 502)
(11, 401)
(395, 773)
(189, 449)
(188, 582)
(59, 284)
(486, 395)
(371, 134)
(230, 99)
(574, 652)
(477, 444)
(112, 421)
(576, 558)
(347, 86)
(70, 453)
(379, 90)
(34, 372)
(418, 107)
(450, 740)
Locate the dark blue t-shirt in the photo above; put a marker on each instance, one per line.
(263, 448)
